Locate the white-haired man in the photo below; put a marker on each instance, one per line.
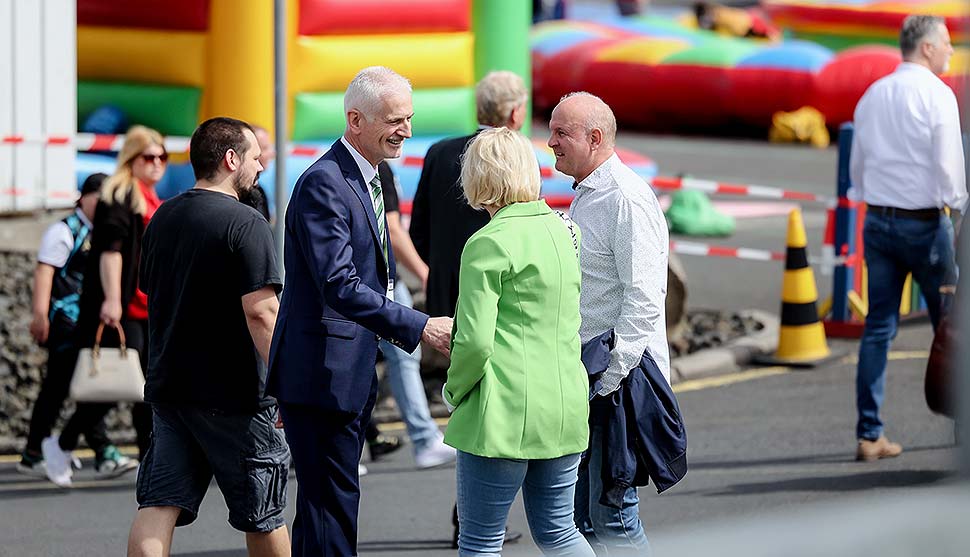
(624, 265)
(337, 304)
(907, 165)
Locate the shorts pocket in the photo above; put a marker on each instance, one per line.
(266, 474)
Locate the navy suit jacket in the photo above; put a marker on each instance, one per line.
(334, 308)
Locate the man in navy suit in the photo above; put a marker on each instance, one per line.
(337, 303)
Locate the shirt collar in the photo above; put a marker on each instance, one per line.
(83, 217)
(367, 170)
(523, 209)
(913, 67)
(602, 176)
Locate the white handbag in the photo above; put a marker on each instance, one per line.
(108, 374)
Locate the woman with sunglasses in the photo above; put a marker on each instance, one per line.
(110, 293)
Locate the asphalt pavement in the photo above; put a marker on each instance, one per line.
(765, 442)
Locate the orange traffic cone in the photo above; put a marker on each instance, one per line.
(801, 339)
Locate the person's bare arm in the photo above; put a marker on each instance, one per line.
(110, 268)
(404, 250)
(260, 308)
(41, 303)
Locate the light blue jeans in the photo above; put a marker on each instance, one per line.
(895, 246)
(404, 375)
(610, 531)
(487, 487)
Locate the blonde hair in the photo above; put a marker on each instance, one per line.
(499, 168)
(121, 184)
(497, 95)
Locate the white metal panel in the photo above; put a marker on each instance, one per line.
(60, 104)
(6, 104)
(28, 97)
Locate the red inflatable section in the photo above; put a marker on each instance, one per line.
(757, 93)
(176, 15)
(564, 72)
(841, 83)
(348, 17)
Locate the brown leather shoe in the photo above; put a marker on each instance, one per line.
(869, 451)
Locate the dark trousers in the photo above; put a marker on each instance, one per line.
(61, 359)
(326, 448)
(88, 414)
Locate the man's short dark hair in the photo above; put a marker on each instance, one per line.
(211, 140)
(916, 29)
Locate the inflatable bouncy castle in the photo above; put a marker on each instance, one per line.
(840, 24)
(661, 74)
(170, 65)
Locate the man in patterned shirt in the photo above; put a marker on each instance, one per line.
(623, 257)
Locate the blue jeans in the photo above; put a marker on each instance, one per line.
(896, 246)
(611, 531)
(487, 487)
(404, 374)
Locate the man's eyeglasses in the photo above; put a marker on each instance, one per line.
(149, 159)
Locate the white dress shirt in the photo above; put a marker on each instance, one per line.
(368, 171)
(58, 242)
(907, 151)
(623, 257)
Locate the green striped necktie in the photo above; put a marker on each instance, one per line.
(377, 197)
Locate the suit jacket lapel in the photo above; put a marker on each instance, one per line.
(354, 179)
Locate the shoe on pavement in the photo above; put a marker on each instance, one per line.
(33, 466)
(435, 454)
(112, 463)
(57, 462)
(361, 470)
(383, 445)
(869, 451)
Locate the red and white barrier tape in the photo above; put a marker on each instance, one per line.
(84, 142)
(747, 190)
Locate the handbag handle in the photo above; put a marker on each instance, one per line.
(97, 341)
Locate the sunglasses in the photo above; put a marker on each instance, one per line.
(151, 158)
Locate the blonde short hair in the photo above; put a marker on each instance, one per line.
(499, 168)
(497, 95)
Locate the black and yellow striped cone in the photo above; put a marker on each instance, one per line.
(801, 339)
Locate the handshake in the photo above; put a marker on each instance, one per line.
(437, 333)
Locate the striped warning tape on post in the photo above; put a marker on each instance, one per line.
(707, 250)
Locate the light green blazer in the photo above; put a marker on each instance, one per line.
(516, 378)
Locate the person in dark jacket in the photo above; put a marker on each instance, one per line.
(441, 219)
(110, 293)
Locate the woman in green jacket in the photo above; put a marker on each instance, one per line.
(516, 381)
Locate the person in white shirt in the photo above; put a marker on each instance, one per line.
(907, 165)
(61, 261)
(623, 259)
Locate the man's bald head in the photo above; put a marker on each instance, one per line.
(592, 112)
(582, 134)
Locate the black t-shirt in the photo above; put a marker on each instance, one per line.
(203, 251)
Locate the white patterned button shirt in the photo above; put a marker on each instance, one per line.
(623, 257)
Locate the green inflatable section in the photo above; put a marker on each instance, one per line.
(436, 112)
(691, 212)
(502, 41)
(172, 110)
(716, 52)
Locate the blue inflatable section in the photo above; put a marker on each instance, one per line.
(790, 55)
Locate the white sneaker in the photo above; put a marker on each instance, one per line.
(435, 454)
(58, 462)
(361, 470)
(35, 470)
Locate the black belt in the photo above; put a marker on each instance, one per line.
(918, 214)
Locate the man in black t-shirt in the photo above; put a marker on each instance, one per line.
(209, 269)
